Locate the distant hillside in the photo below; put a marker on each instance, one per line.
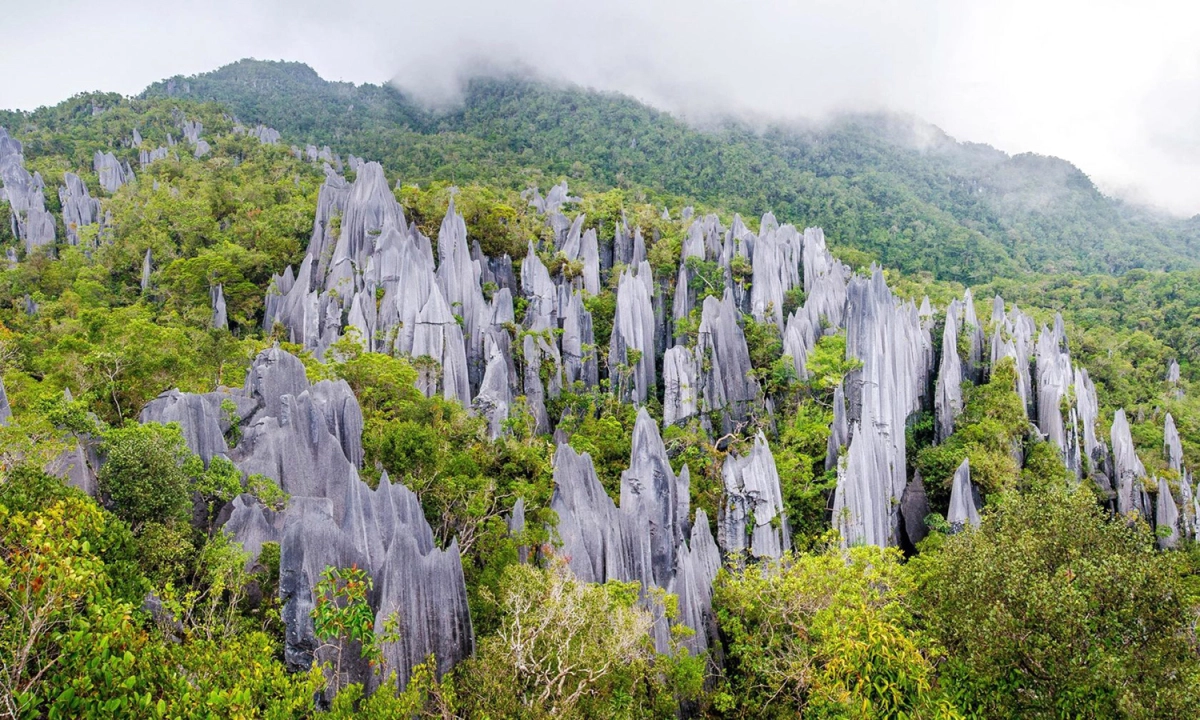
(895, 187)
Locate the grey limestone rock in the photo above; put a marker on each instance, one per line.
(5, 408)
(1172, 445)
(631, 349)
(31, 222)
(887, 337)
(679, 381)
(149, 157)
(839, 430)
(147, 269)
(79, 209)
(753, 501)
(494, 397)
(1166, 517)
(78, 464)
(440, 338)
(725, 383)
(202, 417)
(1128, 470)
(308, 438)
(914, 506)
(964, 502)
(111, 173)
(220, 319)
(647, 539)
(948, 401)
(578, 342)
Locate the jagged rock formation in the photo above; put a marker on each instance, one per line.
(5, 408)
(308, 439)
(964, 499)
(1173, 378)
(220, 319)
(725, 384)
(631, 351)
(679, 381)
(896, 352)
(149, 157)
(648, 538)
(266, 135)
(753, 502)
(112, 174)
(1012, 336)
(32, 224)
(79, 209)
(948, 400)
(1128, 470)
(914, 507)
(147, 269)
(1166, 516)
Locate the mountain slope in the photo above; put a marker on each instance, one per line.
(892, 186)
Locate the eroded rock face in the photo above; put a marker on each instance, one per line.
(753, 521)
(5, 408)
(632, 351)
(647, 539)
(79, 209)
(1128, 470)
(888, 338)
(679, 379)
(726, 385)
(108, 168)
(1166, 516)
(948, 401)
(964, 499)
(31, 222)
(308, 439)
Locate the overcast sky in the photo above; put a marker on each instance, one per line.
(1112, 86)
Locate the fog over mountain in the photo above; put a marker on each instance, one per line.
(1112, 87)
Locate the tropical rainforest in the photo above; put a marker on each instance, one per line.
(628, 461)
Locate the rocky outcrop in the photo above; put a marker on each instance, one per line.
(631, 352)
(753, 522)
(948, 400)
(79, 209)
(914, 507)
(5, 408)
(647, 538)
(964, 499)
(308, 439)
(112, 174)
(679, 381)
(1166, 516)
(220, 318)
(725, 384)
(888, 338)
(147, 269)
(31, 223)
(1128, 471)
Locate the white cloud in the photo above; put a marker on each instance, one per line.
(1112, 86)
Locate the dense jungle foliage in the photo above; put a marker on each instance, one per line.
(130, 605)
(892, 186)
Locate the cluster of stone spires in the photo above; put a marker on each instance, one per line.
(368, 269)
(33, 224)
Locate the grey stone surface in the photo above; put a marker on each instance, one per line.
(111, 173)
(647, 538)
(5, 408)
(1128, 470)
(753, 521)
(220, 318)
(147, 269)
(914, 507)
(31, 222)
(79, 209)
(964, 501)
(633, 336)
(679, 386)
(1166, 517)
(948, 400)
(725, 384)
(888, 338)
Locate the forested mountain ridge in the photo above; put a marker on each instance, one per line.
(893, 186)
(285, 434)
